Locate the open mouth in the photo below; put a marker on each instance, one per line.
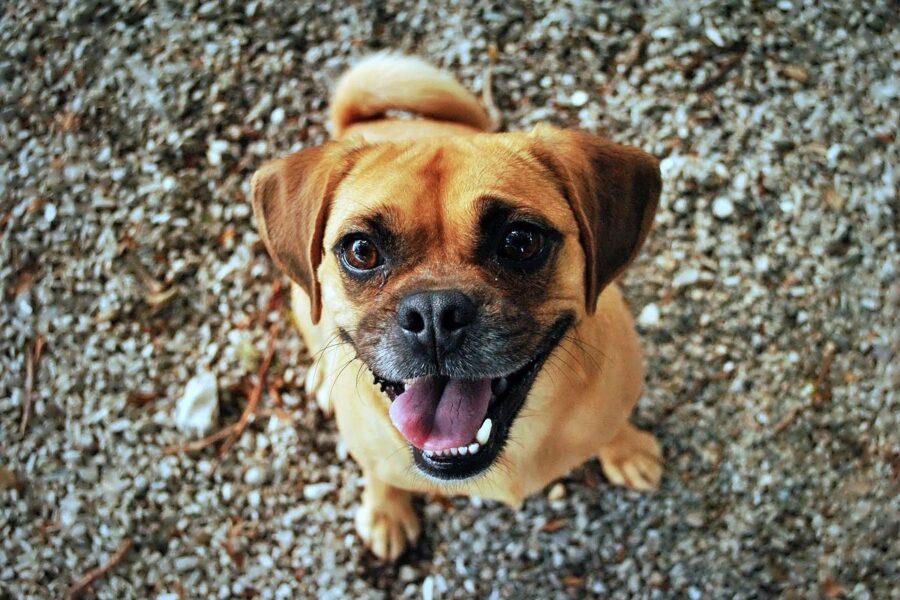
(458, 427)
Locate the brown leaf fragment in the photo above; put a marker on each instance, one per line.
(493, 53)
(37, 205)
(226, 236)
(8, 479)
(573, 581)
(795, 72)
(142, 398)
(833, 589)
(159, 300)
(236, 557)
(69, 121)
(24, 281)
(554, 525)
(833, 200)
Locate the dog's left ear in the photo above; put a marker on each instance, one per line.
(613, 191)
(291, 200)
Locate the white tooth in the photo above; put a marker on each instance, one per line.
(463, 450)
(484, 432)
(473, 448)
(429, 453)
(454, 451)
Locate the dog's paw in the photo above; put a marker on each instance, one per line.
(387, 529)
(633, 459)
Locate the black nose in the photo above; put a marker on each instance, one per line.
(435, 321)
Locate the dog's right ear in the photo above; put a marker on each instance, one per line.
(291, 200)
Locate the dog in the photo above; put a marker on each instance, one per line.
(457, 288)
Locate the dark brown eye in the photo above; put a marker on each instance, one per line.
(361, 253)
(521, 243)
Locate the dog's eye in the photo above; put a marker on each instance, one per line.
(361, 253)
(521, 243)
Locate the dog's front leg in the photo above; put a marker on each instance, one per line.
(386, 521)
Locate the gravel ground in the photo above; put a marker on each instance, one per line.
(767, 297)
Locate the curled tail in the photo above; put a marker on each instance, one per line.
(385, 82)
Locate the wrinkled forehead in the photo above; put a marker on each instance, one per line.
(432, 186)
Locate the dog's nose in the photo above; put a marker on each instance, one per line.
(436, 320)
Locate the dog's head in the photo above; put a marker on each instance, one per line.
(456, 266)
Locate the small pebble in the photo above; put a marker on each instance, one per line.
(197, 411)
(686, 278)
(557, 492)
(255, 476)
(722, 208)
(649, 316)
(316, 491)
(579, 98)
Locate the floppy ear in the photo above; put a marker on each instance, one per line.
(612, 190)
(291, 201)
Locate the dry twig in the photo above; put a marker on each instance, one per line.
(724, 69)
(198, 445)
(821, 389)
(80, 586)
(31, 359)
(634, 55)
(253, 400)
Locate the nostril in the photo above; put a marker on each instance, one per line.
(458, 315)
(453, 319)
(412, 321)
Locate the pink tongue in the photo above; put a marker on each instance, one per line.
(433, 415)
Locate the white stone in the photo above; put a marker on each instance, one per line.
(428, 588)
(649, 317)
(254, 476)
(316, 491)
(68, 510)
(277, 117)
(579, 98)
(686, 278)
(197, 411)
(215, 151)
(722, 208)
(715, 37)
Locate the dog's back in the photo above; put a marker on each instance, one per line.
(389, 82)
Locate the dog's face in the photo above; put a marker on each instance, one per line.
(456, 266)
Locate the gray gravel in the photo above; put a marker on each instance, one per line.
(767, 297)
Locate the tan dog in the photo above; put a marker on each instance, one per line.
(470, 275)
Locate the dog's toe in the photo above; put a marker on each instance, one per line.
(633, 459)
(388, 529)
